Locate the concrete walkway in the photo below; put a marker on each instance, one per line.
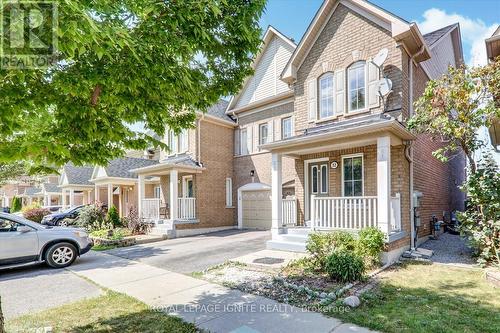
(209, 306)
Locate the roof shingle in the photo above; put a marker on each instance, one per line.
(120, 167)
(433, 36)
(78, 175)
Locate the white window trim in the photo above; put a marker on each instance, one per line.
(229, 192)
(318, 100)
(261, 125)
(244, 143)
(178, 149)
(362, 172)
(321, 178)
(291, 127)
(348, 90)
(307, 193)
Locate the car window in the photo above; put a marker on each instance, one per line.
(8, 226)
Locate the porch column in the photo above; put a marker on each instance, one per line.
(110, 195)
(71, 197)
(276, 195)
(45, 200)
(120, 201)
(174, 176)
(140, 193)
(384, 183)
(89, 197)
(63, 199)
(96, 194)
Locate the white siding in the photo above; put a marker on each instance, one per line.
(265, 82)
(442, 55)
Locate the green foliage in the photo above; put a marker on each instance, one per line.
(92, 217)
(134, 223)
(35, 214)
(481, 221)
(345, 266)
(456, 106)
(113, 217)
(12, 171)
(16, 205)
(370, 245)
(120, 62)
(31, 206)
(321, 244)
(111, 234)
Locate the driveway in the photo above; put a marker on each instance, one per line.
(37, 288)
(196, 253)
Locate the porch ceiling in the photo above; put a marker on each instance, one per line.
(162, 169)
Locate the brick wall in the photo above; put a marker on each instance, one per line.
(347, 32)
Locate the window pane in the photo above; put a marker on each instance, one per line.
(326, 96)
(286, 128)
(358, 188)
(356, 78)
(314, 172)
(244, 142)
(361, 98)
(348, 189)
(357, 168)
(263, 134)
(347, 169)
(324, 179)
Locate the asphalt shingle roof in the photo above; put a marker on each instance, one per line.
(219, 110)
(51, 187)
(78, 175)
(182, 160)
(433, 36)
(32, 190)
(120, 167)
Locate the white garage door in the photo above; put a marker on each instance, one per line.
(256, 209)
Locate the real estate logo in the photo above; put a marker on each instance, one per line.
(28, 34)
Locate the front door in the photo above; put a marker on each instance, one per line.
(319, 182)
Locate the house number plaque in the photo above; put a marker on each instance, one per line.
(334, 165)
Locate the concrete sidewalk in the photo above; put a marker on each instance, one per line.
(209, 306)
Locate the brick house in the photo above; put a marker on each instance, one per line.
(315, 116)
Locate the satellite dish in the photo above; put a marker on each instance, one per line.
(380, 57)
(384, 86)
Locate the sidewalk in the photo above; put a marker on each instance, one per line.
(209, 306)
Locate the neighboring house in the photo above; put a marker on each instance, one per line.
(493, 51)
(115, 184)
(12, 189)
(354, 162)
(74, 183)
(193, 181)
(52, 195)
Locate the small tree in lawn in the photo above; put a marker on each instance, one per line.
(16, 205)
(113, 217)
(454, 108)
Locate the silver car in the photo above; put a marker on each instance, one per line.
(23, 242)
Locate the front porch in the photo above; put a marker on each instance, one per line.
(346, 182)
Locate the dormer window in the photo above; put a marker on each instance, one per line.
(326, 95)
(356, 80)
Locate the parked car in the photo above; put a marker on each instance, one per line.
(5, 210)
(23, 242)
(57, 219)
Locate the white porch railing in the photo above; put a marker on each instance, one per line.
(349, 213)
(289, 211)
(151, 208)
(396, 213)
(186, 208)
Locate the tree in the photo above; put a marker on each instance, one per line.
(11, 171)
(16, 205)
(113, 218)
(455, 106)
(119, 62)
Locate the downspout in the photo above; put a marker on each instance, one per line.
(409, 150)
(198, 139)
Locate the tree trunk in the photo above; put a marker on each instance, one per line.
(2, 328)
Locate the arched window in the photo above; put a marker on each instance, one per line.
(326, 106)
(356, 80)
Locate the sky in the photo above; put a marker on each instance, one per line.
(478, 19)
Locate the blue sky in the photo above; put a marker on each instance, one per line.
(478, 18)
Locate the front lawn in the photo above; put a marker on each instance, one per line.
(429, 298)
(111, 312)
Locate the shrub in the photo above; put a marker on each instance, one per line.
(16, 205)
(111, 234)
(320, 245)
(92, 217)
(31, 206)
(113, 217)
(481, 221)
(370, 245)
(344, 266)
(135, 224)
(36, 214)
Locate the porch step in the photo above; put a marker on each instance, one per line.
(298, 231)
(286, 246)
(161, 230)
(296, 238)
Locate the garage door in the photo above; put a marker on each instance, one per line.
(256, 209)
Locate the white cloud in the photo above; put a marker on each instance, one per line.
(474, 32)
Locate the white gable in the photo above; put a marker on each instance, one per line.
(99, 172)
(266, 80)
(64, 179)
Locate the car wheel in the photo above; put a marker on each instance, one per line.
(62, 223)
(61, 255)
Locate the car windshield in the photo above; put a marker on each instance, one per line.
(70, 210)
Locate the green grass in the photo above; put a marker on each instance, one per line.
(103, 247)
(110, 312)
(429, 298)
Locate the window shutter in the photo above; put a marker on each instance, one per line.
(237, 146)
(339, 91)
(270, 131)
(373, 77)
(311, 100)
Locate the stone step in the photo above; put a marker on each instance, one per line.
(298, 231)
(297, 238)
(286, 246)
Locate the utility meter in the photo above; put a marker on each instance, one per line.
(416, 207)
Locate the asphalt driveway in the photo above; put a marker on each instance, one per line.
(37, 288)
(196, 253)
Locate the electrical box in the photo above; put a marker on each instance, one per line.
(416, 198)
(416, 207)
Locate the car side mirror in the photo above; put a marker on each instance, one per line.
(23, 229)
